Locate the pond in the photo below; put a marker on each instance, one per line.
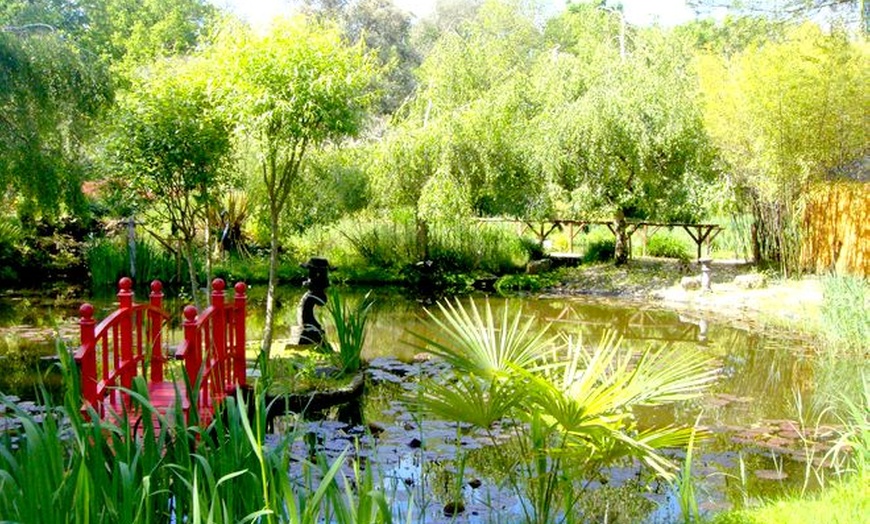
(767, 406)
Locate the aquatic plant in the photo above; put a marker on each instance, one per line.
(67, 465)
(575, 403)
(349, 324)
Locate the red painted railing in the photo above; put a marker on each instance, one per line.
(130, 341)
(213, 349)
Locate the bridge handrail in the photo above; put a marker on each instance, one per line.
(213, 346)
(121, 336)
(218, 334)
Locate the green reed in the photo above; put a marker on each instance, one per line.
(846, 313)
(108, 260)
(142, 466)
(349, 323)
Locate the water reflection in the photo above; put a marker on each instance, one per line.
(762, 372)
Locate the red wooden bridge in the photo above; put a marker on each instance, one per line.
(134, 341)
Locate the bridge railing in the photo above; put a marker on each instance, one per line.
(126, 343)
(213, 348)
(130, 342)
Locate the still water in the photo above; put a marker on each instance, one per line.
(772, 391)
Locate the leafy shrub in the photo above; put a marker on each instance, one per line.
(667, 246)
(601, 250)
(523, 282)
(532, 248)
(380, 241)
(367, 245)
(251, 269)
(10, 236)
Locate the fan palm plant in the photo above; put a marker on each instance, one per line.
(576, 402)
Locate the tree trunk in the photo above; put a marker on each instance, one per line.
(620, 251)
(191, 272)
(207, 234)
(273, 282)
(422, 239)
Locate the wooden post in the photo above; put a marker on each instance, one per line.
(219, 333)
(155, 323)
(87, 355)
(193, 355)
(125, 304)
(239, 368)
(571, 237)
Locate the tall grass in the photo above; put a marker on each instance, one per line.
(846, 313)
(842, 502)
(108, 260)
(349, 324)
(392, 243)
(666, 244)
(69, 466)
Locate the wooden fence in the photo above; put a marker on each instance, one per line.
(836, 229)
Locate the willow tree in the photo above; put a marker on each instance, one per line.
(291, 89)
(628, 140)
(50, 94)
(786, 114)
(458, 148)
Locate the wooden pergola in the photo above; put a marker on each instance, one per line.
(700, 233)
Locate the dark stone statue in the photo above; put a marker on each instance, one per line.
(317, 282)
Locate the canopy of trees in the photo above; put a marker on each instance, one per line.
(486, 108)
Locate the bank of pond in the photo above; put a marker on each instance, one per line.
(773, 419)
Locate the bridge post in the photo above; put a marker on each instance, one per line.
(239, 310)
(87, 358)
(193, 355)
(219, 332)
(125, 304)
(155, 333)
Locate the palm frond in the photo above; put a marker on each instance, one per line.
(477, 344)
(472, 400)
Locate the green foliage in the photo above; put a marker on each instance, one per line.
(50, 92)
(10, 236)
(471, 247)
(349, 323)
(384, 28)
(386, 246)
(575, 402)
(255, 269)
(523, 282)
(381, 241)
(532, 247)
(289, 90)
(120, 31)
(599, 250)
(844, 503)
(461, 144)
(172, 147)
(102, 471)
(783, 115)
(228, 217)
(846, 313)
(666, 245)
(108, 259)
